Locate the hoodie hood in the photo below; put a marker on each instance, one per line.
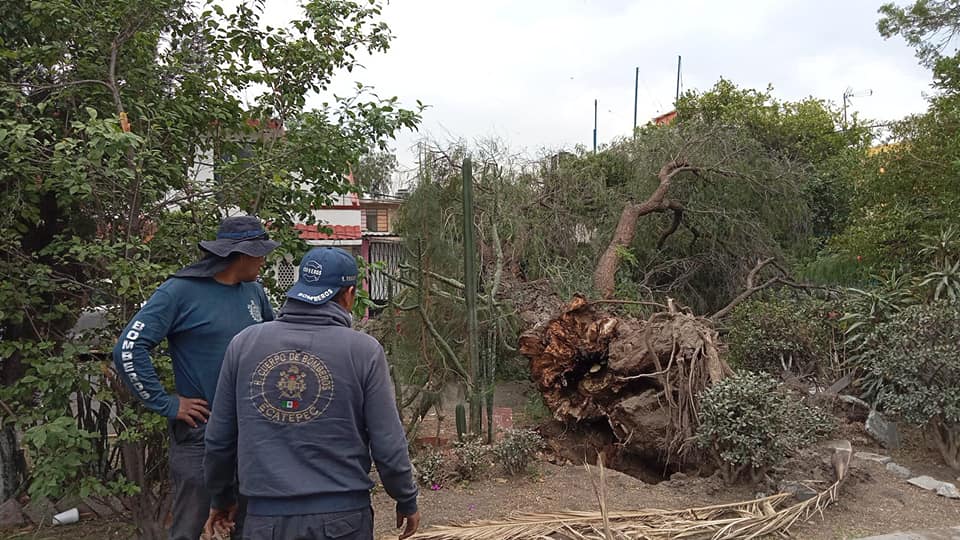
(327, 314)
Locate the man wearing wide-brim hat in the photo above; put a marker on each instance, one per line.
(198, 310)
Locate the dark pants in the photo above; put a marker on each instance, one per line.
(191, 503)
(352, 525)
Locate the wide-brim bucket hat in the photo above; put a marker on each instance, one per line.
(240, 234)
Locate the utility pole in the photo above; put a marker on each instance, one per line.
(636, 83)
(594, 126)
(470, 295)
(676, 98)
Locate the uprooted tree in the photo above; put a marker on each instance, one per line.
(740, 199)
(640, 376)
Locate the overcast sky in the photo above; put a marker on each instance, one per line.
(527, 71)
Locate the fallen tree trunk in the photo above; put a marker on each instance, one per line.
(642, 377)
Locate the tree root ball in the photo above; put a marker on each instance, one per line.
(643, 377)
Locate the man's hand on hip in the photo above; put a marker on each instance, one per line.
(413, 523)
(192, 410)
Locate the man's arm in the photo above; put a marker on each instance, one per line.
(266, 309)
(388, 442)
(220, 439)
(131, 356)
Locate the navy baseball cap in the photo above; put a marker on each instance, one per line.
(323, 272)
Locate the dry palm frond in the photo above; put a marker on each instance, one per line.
(601, 492)
(740, 520)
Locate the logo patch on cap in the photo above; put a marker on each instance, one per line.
(312, 271)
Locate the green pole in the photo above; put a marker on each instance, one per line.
(470, 295)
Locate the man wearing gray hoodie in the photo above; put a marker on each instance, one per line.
(302, 405)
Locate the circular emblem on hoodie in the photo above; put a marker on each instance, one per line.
(291, 387)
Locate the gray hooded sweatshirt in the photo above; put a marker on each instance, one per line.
(302, 405)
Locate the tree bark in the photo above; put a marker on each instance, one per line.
(604, 277)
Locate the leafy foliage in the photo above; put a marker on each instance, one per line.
(517, 450)
(431, 467)
(375, 171)
(930, 27)
(124, 142)
(473, 458)
(748, 425)
(908, 188)
(781, 333)
(804, 132)
(915, 355)
(535, 410)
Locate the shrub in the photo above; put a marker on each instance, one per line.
(473, 458)
(748, 424)
(517, 449)
(535, 410)
(431, 467)
(916, 359)
(865, 310)
(777, 334)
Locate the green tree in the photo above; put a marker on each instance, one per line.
(806, 131)
(726, 201)
(930, 27)
(908, 188)
(375, 171)
(915, 356)
(109, 114)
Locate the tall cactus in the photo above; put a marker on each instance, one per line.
(488, 366)
(461, 414)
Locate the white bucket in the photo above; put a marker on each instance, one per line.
(70, 516)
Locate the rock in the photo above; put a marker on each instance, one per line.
(944, 489)
(884, 431)
(948, 490)
(930, 534)
(103, 508)
(841, 384)
(39, 511)
(678, 476)
(67, 503)
(925, 482)
(799, 490)
(870, 456)
(841, 444)
(855, 409)
(11, 514)
(899, 470)
(854, 401)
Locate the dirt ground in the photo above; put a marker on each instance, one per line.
(873, 501)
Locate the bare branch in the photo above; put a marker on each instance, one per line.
(674, 225)
(782, 279)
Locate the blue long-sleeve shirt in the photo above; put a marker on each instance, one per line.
(199, 317)
(304, 405)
